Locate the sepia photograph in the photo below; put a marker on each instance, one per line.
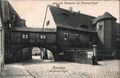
(59, 39)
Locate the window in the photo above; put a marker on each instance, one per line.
(10, 25)
(25, 36)
(42, 36)
(100, 27)
(48, 22)
(13, 17)
(66, 36)
(77, 36)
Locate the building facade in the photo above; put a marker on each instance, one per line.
(77, 30)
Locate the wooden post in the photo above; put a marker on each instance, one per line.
(46, 55)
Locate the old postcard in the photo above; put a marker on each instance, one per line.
(59, 39)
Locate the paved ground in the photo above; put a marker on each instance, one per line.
(49, 69)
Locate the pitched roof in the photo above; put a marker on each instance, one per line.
(104, 16)
(28, 29)
(65, 19)
(8, 11)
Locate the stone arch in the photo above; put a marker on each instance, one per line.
(40, 47)
(15, 53)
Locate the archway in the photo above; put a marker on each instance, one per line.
(19, 53)
(41, 53)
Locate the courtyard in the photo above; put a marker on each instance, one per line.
(38, 68)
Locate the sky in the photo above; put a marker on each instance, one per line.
(33, 11)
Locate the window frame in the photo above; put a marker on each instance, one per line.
(66, 36)
(42, 36)
(77, 36)
(100, 27)
(25, 36)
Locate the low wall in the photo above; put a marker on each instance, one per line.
(79, 56)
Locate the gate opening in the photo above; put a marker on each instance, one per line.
(41, 53)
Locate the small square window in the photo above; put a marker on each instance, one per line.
(25, 36)
(42, 36)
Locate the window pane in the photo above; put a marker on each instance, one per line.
(26, 36)
(42, 36)
(77, 36)
(23, 36)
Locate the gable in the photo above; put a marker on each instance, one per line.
(49, 21)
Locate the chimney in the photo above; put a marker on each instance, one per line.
(57, 5)
(71, 9)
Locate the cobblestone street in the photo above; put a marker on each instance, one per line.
(37, 68)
